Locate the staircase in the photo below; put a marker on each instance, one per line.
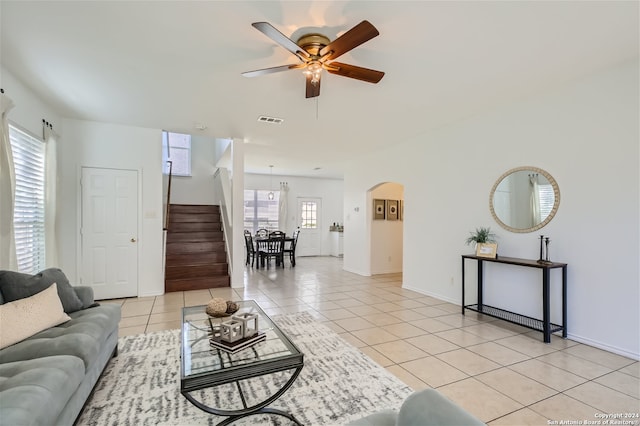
(195, 252)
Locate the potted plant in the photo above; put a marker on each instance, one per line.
(484, 241)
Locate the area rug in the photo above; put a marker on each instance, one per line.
(337, 384)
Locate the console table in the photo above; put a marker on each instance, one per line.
(543, 325)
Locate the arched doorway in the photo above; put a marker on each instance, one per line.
(386, 228)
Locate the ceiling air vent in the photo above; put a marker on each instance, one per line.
(272, 120)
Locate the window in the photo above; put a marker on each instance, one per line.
(28, 214)
(309, 215)
(176, 147)
(260, 211)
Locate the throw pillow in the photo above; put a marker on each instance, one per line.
(23, 318)
(16, 285)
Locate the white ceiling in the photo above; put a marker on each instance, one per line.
(173, 64)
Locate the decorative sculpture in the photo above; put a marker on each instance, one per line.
(232, 307)
(231, 331)
(249, 323)
(218, 307)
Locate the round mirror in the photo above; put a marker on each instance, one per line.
(524, 199)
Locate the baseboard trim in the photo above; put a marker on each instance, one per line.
(434, 295)
(353, 271)
(382, 272)
(605, 347)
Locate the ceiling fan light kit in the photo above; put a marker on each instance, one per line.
(317, 53)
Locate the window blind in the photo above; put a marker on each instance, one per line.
(28, 220)
(547, 200)
(259, 211)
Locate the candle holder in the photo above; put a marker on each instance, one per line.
(541, 258)
(544, 250)
(546, 243)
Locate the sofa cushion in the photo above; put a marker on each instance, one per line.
(23, 318)
(85, 294)
(36, 391)
(16, 285)
(99, 321)
(82, 337)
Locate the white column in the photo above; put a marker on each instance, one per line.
(237, 206)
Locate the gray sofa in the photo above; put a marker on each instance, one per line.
(46, 379)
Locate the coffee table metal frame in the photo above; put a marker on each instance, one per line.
(219, 367)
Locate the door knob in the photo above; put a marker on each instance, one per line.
(133, 240)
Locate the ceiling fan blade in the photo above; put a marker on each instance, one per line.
(284, 41)
(352, 71)
(313, 89)
(271, 70)
(357, 35)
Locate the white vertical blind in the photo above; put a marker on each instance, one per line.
(29, 217)
(547, 200)
(259, 211)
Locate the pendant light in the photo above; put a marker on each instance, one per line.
(271, 195)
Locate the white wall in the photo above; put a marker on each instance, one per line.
(197, 188)
(386, 235)
(91, 144)
(329, 190)
(585, 134)
(29, 109)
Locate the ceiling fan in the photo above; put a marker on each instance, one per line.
(317, 52)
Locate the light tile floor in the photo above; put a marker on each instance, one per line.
(502, 373)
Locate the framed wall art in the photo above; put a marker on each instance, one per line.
(392, 209)
(378, 209)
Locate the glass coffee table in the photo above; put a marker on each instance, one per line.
(203, 366)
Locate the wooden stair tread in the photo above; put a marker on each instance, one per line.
(194, 208)
(191, 271)
(189, 217)
(204, 236)
(195, 227)
(186, 284)
(202, 258)
(194, 246)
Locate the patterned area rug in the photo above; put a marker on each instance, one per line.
(337, 384)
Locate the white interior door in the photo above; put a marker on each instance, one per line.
(310, 238)
(109, 232)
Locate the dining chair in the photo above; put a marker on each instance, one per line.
(291, 250)
(273, 247)
(251, 249)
